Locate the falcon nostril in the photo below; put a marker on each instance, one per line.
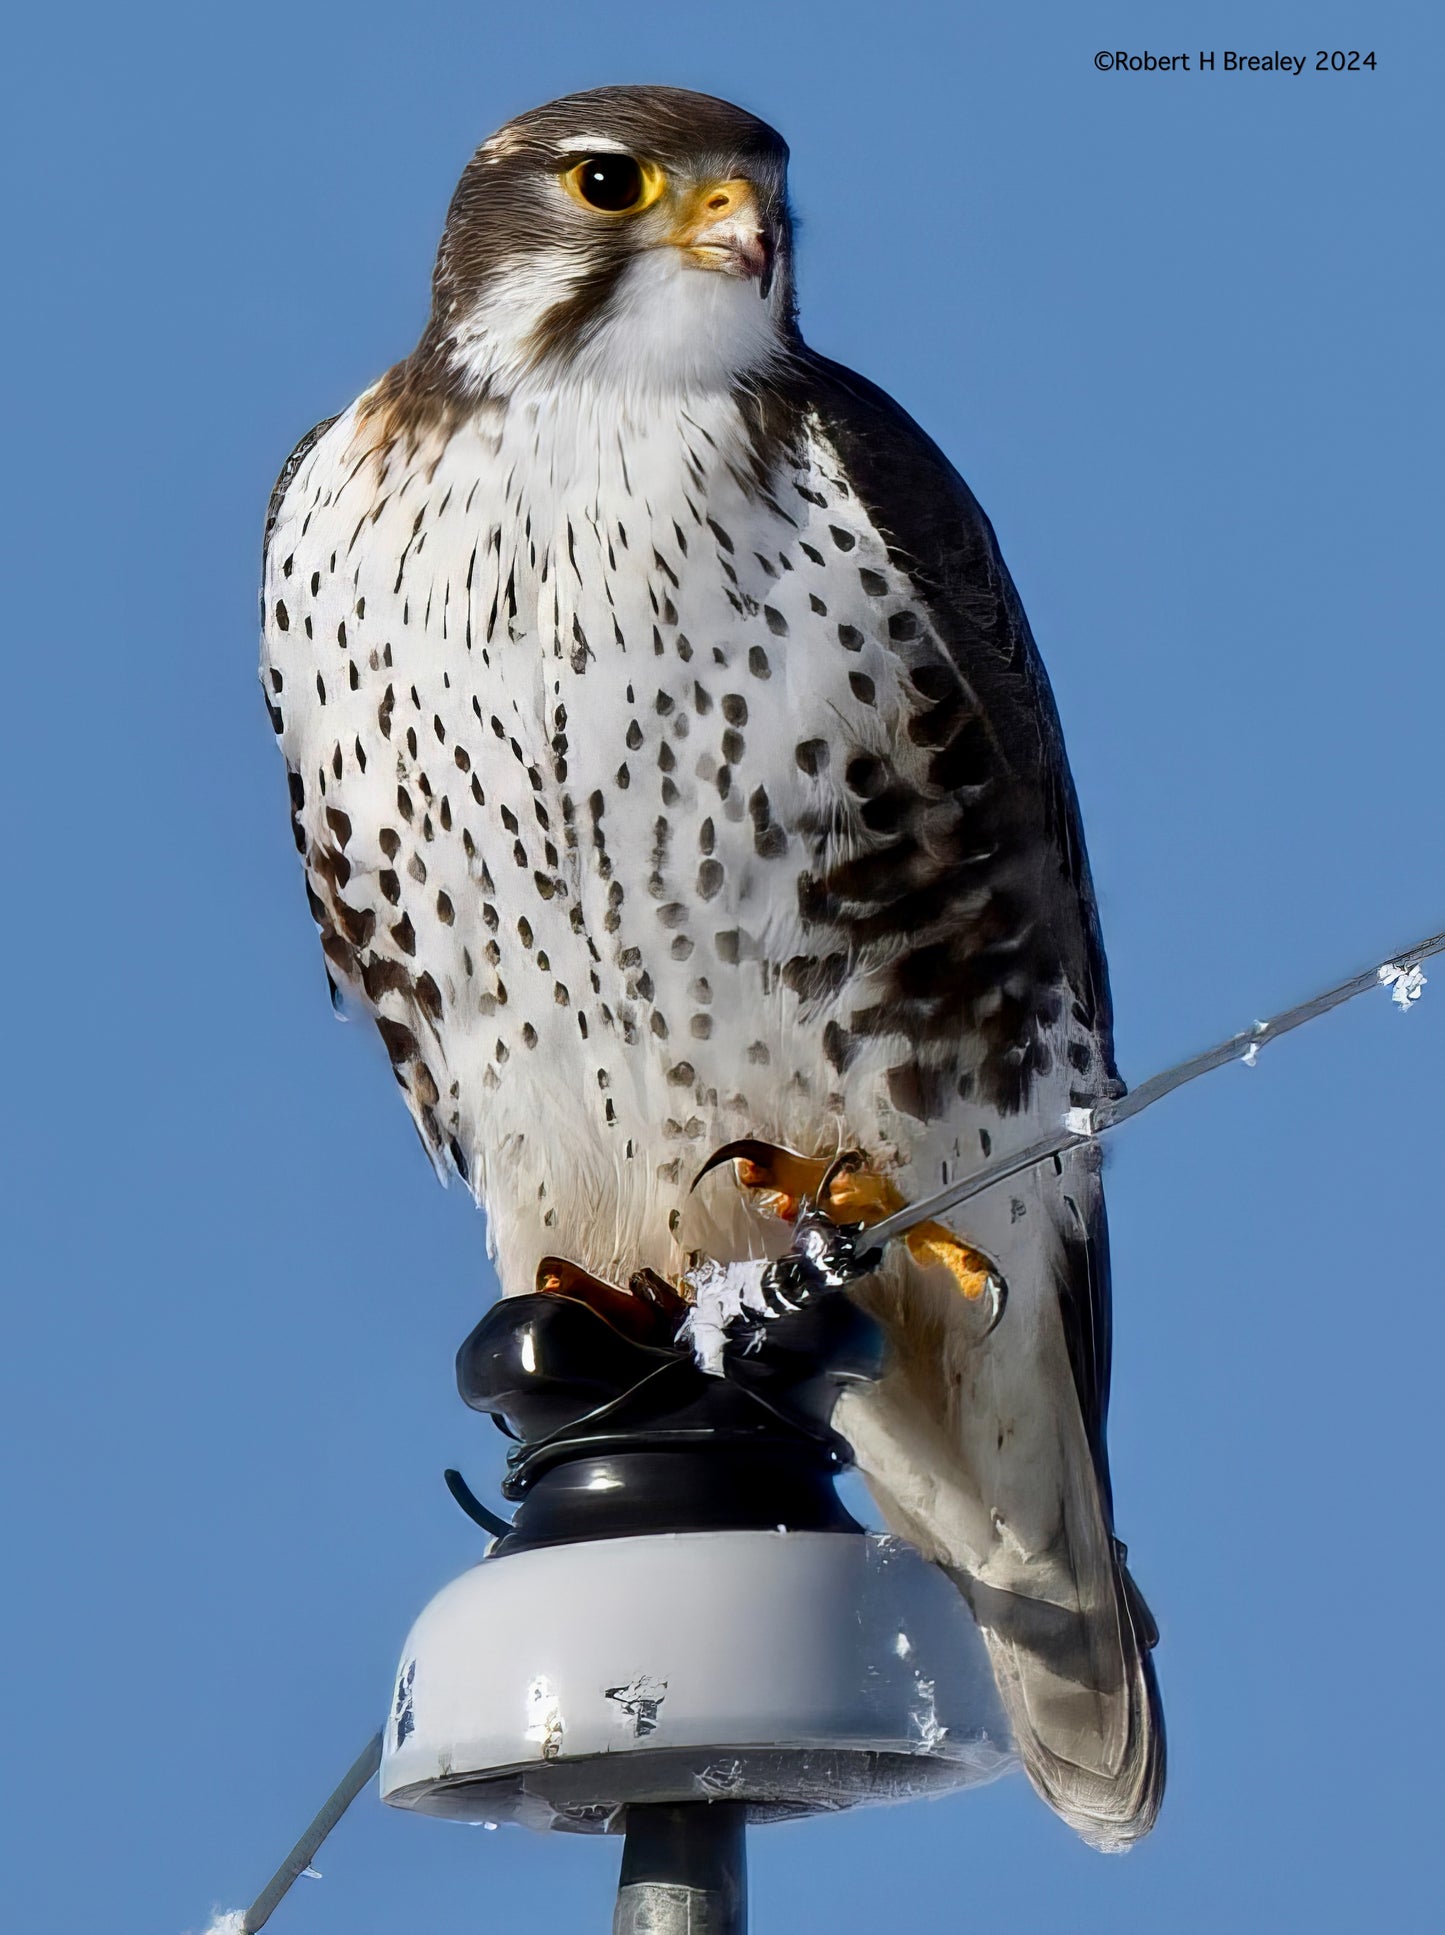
(720, 201)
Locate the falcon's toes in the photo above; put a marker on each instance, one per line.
(779, 1179)
(649, 1310)
(974, 1273)
(843, 1185)
(664, 1296)
(857, 1194)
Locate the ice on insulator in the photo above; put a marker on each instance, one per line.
(1406, 984)
(544, 1718)
(722, 1292)
(925, 1715)
(1079, 1121)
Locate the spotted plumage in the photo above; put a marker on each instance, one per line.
(672, 765)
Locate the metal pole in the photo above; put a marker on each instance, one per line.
(684, 1870)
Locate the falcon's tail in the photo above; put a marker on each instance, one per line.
(985, 1452)
(1083, 1701)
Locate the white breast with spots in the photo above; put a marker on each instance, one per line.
(578, 695)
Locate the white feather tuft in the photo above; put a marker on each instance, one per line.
(233, 1922)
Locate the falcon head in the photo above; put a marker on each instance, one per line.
(633, 237)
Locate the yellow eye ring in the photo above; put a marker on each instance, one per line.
(614, 184)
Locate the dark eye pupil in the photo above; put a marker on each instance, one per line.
(612, 182)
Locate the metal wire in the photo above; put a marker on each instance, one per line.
(1105, 1115)
(361, 1770)
(1108, 1114)
(475, 1510)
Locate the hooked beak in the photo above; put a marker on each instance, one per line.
(723, 228)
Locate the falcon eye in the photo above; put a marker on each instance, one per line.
(609, 182)
(614, 184)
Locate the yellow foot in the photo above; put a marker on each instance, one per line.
(649, 1310)
(970, 1269)
(781, 1181)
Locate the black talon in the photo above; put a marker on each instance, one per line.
(846, 1163)
(748, 1149)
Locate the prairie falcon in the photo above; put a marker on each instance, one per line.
(673, 767)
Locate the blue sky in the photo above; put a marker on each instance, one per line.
(1181, 333)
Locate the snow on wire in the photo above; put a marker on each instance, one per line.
(1406, 984)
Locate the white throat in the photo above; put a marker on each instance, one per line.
(669, 331)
